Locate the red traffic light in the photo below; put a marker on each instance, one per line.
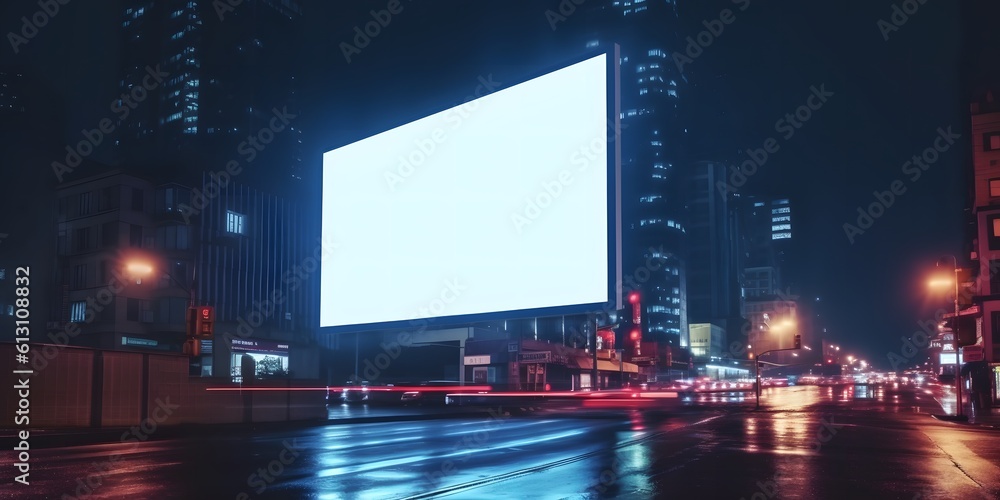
(205, 312)
(634, 335)
(633, 298)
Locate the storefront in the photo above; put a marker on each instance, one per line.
(479, 370)
(269, 358)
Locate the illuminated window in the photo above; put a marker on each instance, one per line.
(991, 141)
(235, 222)
(781, 236)
(78, 311)
(782, 218)
(783, 210)
(995, 188)
(779, 227)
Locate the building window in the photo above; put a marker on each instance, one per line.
(994, 277)
(173, 237)
(991, 141)
(135, 236)
(79, 276)
(86, 203)
(81, 239)
(139, 310)
(138, 202)
(109, 234)
(235, 222)
(78, 311)
(995, 188)
(132, 309)
(110, 198)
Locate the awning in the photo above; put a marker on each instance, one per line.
(603, 365)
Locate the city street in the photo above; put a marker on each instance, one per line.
(805, 442)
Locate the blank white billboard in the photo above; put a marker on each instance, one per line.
(500, 204)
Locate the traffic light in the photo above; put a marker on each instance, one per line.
(965, 329)
(192, 347)
(204, 323)
(798, 341)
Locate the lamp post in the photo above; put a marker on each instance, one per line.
(959, 412)
(139, 269)
(786, 324)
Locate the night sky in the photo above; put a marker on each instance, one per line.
(890, 97)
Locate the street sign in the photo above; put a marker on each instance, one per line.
(536, 357)
(477, 360)
(972, 353)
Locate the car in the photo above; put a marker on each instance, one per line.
(433, 395)
(353, 393)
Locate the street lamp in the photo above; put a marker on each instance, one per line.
(959, 414)
(140, 269)
(786, 324)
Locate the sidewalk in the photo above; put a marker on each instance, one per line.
(946, 397)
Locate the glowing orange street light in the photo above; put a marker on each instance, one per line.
(139, 270)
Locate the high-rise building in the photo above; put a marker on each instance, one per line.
(29, 111)
(986, 211)
(653, 138)
(713, 291)
(201, 87)
(765, 229)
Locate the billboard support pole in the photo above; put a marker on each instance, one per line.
(594, 376)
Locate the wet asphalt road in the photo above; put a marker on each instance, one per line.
(805, 442)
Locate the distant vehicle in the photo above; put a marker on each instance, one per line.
(353, 393)
(433, 395)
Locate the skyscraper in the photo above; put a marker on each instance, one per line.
(653, 138)
(200, 85)
(713, 278)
